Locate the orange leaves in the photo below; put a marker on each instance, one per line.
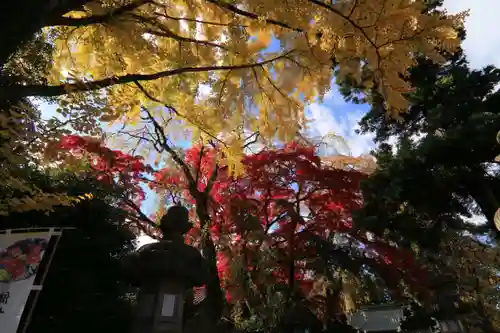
(364, 164)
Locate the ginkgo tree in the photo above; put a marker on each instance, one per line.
(262, 60)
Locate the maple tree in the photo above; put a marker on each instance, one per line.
(278, 225)
(117, 171)
(159, 53)
(274, 232)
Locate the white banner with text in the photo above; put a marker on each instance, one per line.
(20, 257)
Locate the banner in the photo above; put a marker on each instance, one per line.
(20, 256)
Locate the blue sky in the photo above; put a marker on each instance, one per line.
(334, 115)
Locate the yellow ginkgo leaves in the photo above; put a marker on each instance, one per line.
(220, 44)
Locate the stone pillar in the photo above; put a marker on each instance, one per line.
(164, 271)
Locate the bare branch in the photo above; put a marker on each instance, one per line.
(137, 209)
(255, 136)
(164, 144)
(174, 110)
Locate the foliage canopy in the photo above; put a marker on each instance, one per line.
(159, 54)
(281, 234)
(441, 171)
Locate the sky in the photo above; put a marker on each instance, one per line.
(483, 40)
(334, 115)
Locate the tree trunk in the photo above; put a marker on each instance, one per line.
(21, 19)
(214, 292)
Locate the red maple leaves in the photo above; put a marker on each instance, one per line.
(270, 222)
(109, 166)
(285, 201)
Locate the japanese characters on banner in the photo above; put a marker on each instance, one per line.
(20, 256)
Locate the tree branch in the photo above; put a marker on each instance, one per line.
(137, 209)
(187, 19)
(212, 179)
(18, 90)
(162, 30)
(255, 136)
(174, 110)
(164, 144)
(251, 15)
(96, 19)
(169, 34)
(198, 169)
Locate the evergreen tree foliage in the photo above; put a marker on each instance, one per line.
(445, 165)
(441, 169)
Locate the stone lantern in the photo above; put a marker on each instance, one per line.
(164, 271)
